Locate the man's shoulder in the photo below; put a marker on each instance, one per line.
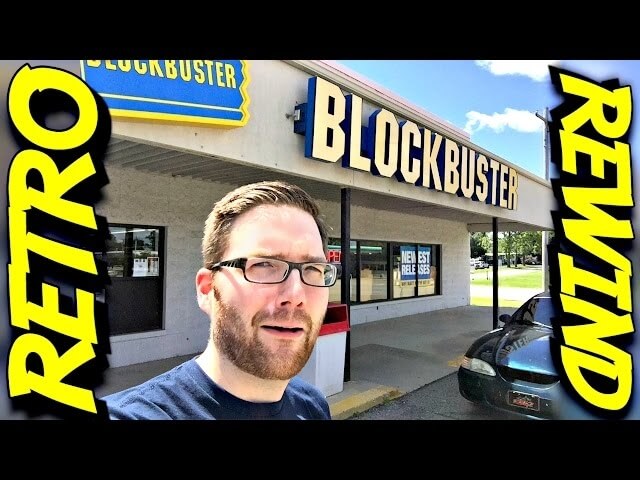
(310, 395)
(133, 404)
(149, 400)
(141, 402)
(302, 386)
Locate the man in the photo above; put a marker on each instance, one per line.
(264, 287)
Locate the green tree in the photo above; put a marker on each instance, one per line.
(507, 245)
(480, 244)
(531, 243)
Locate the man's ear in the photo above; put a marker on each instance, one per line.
(203, 287)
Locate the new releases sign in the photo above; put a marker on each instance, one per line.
(408, 263)
(191, 91)
(332, 125)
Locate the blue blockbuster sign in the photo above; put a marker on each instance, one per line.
(191, 91)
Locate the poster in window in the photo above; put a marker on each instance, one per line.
(153, 266)
(140, 268)
(408, 263)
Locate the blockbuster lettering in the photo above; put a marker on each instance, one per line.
(390, 147)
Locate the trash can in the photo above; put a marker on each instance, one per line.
(325, 367)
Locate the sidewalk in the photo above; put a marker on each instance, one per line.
(388, 358)
(358, 397)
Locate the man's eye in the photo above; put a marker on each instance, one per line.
(262, 265)
(314, 268)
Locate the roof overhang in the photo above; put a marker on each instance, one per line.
(126, 153)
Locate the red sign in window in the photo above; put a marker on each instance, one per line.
(334, 256)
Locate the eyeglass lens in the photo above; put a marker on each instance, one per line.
(266, 270)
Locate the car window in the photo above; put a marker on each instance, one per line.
(538, 310)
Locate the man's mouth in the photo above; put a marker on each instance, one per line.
(283, 332)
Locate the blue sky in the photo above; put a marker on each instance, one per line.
(493, 100)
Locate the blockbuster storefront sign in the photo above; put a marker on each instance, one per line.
(332, 125)
(212, 92)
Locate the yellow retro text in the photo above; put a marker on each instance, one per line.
(22, 198)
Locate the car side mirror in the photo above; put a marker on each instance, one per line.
(504, 318)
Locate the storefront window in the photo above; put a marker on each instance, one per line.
(415, 263)
(373, 271)
(335, 256)
(404, 271)
(427, 269)
(415, 270)
(133, 252)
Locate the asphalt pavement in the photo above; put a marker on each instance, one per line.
(438, 400)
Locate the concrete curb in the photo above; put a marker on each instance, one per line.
(362, 402)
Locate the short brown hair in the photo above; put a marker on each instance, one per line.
(220, 221)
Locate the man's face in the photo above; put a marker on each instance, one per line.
(269, 330)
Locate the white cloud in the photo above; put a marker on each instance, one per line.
(537, 70)
(600, 70)
(518, 120)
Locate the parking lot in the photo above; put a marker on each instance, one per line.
(439, 400)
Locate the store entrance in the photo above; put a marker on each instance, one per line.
(135, 297)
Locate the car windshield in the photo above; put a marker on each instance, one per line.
(537, 310)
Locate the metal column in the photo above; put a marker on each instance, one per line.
(345, 284)
(495, 272)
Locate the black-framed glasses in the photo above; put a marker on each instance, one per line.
(271, 270)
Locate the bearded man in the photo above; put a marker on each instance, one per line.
(264, 286)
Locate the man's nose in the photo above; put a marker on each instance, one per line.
(293, 288)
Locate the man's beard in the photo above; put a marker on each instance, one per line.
(243, 347)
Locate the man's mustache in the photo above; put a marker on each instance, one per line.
(283, 316)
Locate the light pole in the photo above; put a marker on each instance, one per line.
(547, 163)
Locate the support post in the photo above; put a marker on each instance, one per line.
(345, 283)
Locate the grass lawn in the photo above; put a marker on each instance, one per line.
(487, 302)
(509, 277)
(527, 278)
